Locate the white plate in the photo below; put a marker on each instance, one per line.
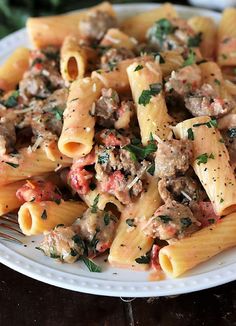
(111, 282)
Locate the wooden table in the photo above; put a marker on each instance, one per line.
(26, 302)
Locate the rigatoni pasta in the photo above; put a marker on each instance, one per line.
(177, 258)
(35, 218)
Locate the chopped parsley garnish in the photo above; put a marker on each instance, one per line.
(195, 41)
(130, 222)
(151, 169)
(145, 97)
(57, 201)
(217, 81)
(145, 259)
(190, 134)
(190, 59)
(12, 100)
(106, 218)
(13, 165)
(139, 67)
(58, 113)
(211, 221)
(203, 158)
(44, 215)
(103, 157)
(54, 255)
(221, 200)
(221, 140)
(224, 56)
(112, 65)
(92, 267)
(94, 207)
(185, 222)
(160, 29)
(165, 218)
(211, 123)
(231, 133)
(139, 152)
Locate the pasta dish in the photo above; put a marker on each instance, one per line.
(119, 138)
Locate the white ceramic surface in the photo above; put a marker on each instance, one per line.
(111, 282)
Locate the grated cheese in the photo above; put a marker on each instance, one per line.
(58, 168)
(111, 39)
(186, 195)
(157, 138)
(37, 143)
(150, 68)
(94, 87)
(138, 176)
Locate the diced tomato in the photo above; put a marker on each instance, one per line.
(37, 191)
(86, 160)
(208, 215)
(112, 138)
(79, 178)
(38, 66)
(155, 257)
(114, 183)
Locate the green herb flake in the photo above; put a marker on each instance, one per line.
(211, 123)
(103, 157)
(190, 59)
(224, 56)
(12, 100)
(203, 158)
(130, 222)
(190, 134)
(13, 165)
(151, 169)
(112, 65)
(106, 218)
(145, 97)
(58, 113)
(231, 132)
(185, 222)
(165, 218)
(211, 221)
(92, 267)
(195, 41)
(57, 201)
(217, 81)
(221, 200)
(139, 67)
(54, 255)
(141, 152)
(145, 259)
(44, 215)
(221, 140)
(94, 207)
(160, 29)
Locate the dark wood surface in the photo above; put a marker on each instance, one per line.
(24, 301)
